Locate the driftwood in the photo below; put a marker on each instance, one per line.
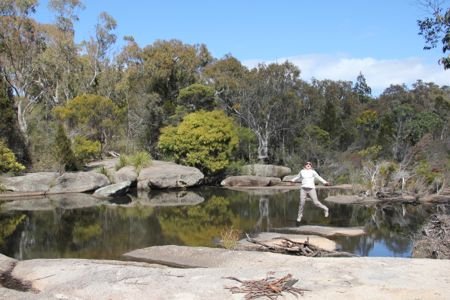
(269, 287)
(298, 248)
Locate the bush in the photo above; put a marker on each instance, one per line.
(8, 162)
(205, 140)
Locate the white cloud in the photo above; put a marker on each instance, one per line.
(379, 74)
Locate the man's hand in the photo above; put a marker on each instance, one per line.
(327, 183)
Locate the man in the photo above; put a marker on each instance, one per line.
(308, 187)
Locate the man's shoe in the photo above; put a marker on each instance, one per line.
(297, 223)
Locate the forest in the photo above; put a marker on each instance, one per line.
(64, 103)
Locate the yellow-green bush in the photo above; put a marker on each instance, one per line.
(85, 149)
(8, 162)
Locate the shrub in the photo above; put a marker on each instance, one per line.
(8, 162)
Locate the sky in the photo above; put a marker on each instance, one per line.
(326, 39)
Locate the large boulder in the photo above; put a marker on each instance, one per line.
(165, 175)
(79, 182)
(265, 170)
(127, 173)
(113, 190)
(31, 182)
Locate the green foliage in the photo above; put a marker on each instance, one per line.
(423, 123)
(247, 144)
(436, 29)
(95, 116)
(425, 171)
(138, 160)
(370, 153)
(197, 96)
(85, 149)
(63, 151)
(8, 161)
(204, 140)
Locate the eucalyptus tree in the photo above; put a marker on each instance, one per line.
(9, 131)
(395, 103)
(436, 29)
(38, 60)
(336, 109)
(94, 118)
(264, 100)
(59, 63)
(362, 89)
(144, 114)
(96, 53)
(171, 66)
(21, 44)
(227, 75)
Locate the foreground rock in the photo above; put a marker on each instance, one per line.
(324, 278)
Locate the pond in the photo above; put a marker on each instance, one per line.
(62, 228)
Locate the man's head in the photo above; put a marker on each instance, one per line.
(308, 165)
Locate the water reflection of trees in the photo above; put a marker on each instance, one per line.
(389, 224)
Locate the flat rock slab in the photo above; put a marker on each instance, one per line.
(275, 239)
(327, 231)
(324, 278)
(184, 257)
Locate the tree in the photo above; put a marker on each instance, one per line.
(96, 51)
(94, 117)
(21, 44)
(63, 151)
(9, 130)
(263, 101)
(197, 96)
(361, 88)
(205, 140)
(171, 66)
(144, 112)
(436, 29)
(367, 124)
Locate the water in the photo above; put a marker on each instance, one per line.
(64, 227)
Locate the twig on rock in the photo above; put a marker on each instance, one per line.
(268, 287)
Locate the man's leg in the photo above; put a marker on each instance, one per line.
(312, 193)
(301, 205)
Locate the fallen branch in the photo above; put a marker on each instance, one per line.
(268, 287)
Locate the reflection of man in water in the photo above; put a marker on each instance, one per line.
(308, 176)
(263, 212)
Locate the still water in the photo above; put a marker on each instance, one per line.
(79, 226)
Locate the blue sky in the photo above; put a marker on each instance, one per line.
(326, 39)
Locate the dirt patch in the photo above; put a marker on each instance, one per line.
(434, 239)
